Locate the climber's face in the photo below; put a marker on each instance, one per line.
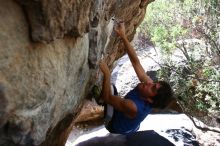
(148, 89)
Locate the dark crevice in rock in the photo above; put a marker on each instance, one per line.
(59, 134)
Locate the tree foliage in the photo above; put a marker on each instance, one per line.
(189, 29)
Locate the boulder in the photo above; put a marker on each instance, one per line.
(49, 56)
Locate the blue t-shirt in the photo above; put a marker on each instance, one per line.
(121, 124)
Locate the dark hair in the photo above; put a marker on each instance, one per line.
(164, 95)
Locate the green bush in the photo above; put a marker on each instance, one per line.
(193, 28)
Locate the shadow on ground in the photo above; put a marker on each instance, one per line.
(143, 138)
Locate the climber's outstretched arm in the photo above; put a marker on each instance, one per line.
(124, 105)
(143, 77)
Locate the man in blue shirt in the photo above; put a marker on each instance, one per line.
(131, 110)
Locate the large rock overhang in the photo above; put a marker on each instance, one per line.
(49, 55)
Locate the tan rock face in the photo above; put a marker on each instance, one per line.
(49, 54)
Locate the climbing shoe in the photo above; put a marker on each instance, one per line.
(96, 93)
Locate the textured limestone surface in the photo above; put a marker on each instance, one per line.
(49, 54)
